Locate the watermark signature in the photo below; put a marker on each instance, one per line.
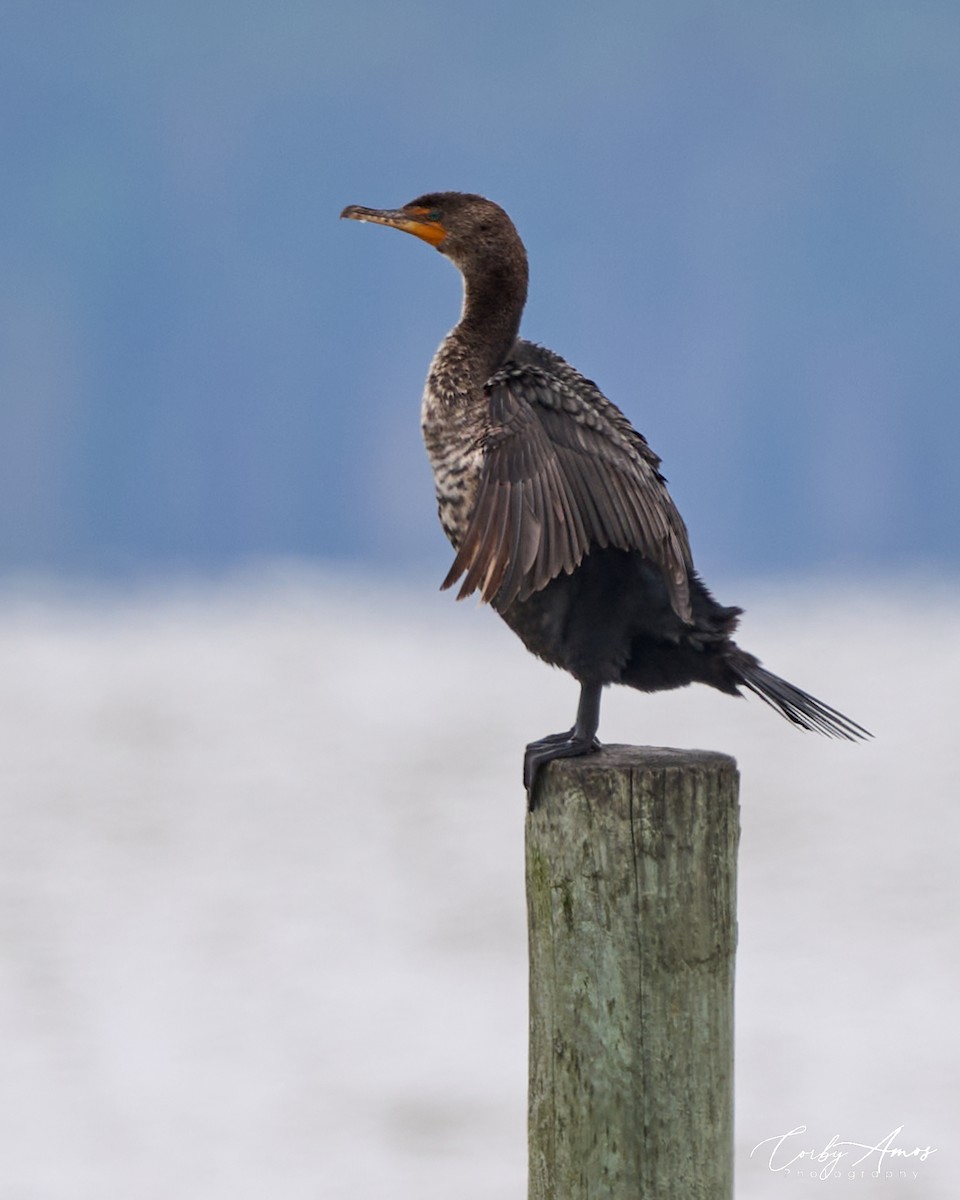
(787, 1155)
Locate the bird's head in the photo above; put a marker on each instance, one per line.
(470, 230)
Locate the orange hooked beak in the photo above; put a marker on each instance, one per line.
(417, 221)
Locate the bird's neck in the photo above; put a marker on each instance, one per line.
(490, 321)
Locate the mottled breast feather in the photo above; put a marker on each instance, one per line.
(452, 419)
(561, 469)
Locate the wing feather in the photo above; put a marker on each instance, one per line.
(562, 471)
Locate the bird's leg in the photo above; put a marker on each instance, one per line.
(581, 739)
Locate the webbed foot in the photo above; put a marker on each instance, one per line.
(581, 739)
(556, 745)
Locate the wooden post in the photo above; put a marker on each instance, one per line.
(631, 900)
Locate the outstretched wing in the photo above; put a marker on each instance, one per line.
(563, 470)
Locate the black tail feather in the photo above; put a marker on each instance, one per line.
(796, 705)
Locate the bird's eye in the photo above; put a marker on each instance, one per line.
(433, 214)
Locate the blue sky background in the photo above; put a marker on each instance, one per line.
(742, 221)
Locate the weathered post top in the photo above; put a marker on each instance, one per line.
(631, 897)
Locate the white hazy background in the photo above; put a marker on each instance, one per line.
(261, 888)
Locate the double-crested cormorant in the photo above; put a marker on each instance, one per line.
(555, 505)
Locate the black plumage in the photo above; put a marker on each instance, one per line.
(555, 505)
